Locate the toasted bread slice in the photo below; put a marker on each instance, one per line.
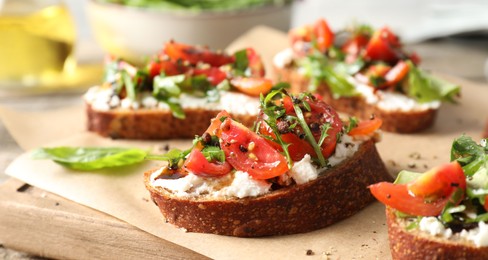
(393, 121)
(413, 244)
(153, 123)
(336, 194)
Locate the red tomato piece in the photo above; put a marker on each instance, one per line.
(255, 63)
(323, 35)
(246, 151)
(199, 165)
(298, 148)
(398, 197)
(425, 196)
(216, 122)
(366, 127)
(397, 73)
(383, 45)
(485, 205)
(168, 67)
(439, 182)
(196, 54)
(214, 75)
(320, 114)
(252, 86)
(354, 46)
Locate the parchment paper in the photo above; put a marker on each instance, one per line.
(120, 192)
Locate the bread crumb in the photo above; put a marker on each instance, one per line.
(309, 252)
(412, 165)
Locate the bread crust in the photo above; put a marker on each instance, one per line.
(153, 123)
(393, 121)
(337, 194)
(414, 245)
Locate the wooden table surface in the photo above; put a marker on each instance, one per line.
(464, 58)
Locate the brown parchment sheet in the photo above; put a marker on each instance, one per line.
(120, 192)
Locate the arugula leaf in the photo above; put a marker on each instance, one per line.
(451, 208)
(353, 122)
(91, 158)
(273, 112)
(426, 88)
(309, 135)
(323, 132)
(241, 62)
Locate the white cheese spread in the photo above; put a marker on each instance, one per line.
(239, 184)
(345, 148)
(478, 236)
(385, 100)
(103, 99)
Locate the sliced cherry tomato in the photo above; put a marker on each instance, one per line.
(398, 197)
(252, 86)
(439, 182)
(384, 46)
(196, 54)
(427, 195)
(246, 151)
(354, 46)
(323, 35)
(255, 63)
(301, 34)
(415, 58)
(214, 75)
(216, 122)
(320, 114)
(366, 127)
(397, 73)
(199, 165)
(297, 148)
(170, 68)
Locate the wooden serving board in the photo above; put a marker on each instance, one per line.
(41, 223)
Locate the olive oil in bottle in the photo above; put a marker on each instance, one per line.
(36, 43)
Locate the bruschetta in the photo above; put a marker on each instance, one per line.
(176, 93)
(361, 71)
(440, 214)
(301, 169)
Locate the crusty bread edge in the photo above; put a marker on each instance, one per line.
(337, 194)
(415, 245)
(393, 121)
(153, 123)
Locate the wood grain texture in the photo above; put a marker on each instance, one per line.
(47, 225)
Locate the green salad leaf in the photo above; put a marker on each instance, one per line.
(318, 69)
(241, 62)
(424, 87)
(472, 157)
(91, 158)
(405, 177)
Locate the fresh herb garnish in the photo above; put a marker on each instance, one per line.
(318, 69)
(273, 113)
(241, 62)
(353, 122)
(91, 158)
(424, 87)
(175, 157)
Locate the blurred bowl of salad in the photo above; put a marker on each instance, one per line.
(135, 29)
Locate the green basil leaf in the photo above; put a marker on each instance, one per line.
(213, 153)
(130, 88)
(241, 62)
(165, 87)
(91, 158)
(174, 157)
(424, 87)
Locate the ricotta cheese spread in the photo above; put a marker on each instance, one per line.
(104, 99)
(385, 100)
(239, 184)
(478, 235)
